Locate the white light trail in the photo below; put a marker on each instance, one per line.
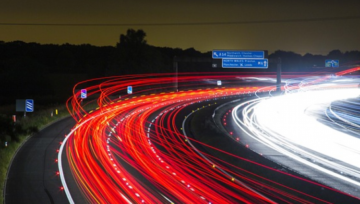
(284, 124)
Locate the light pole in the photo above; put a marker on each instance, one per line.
(278, 76)
(176, 73)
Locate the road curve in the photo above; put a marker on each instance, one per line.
(32, 175)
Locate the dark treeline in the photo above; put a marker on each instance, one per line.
(48, 72)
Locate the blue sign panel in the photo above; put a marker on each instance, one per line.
(239, 54)
(245, 63)
(83, 93)
(332, 63)
(129, 89)
(29, 105)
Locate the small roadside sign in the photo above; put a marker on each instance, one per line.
(29, 105)
(331, 63)
(83, 93)
(129, 90)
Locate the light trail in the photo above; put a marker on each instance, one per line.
(293, 124)
(133, 150)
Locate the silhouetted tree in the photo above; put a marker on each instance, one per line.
(134, 55)
(290, 61)
(352, 57)
(335, 54)
(48, 72)
(132, 38)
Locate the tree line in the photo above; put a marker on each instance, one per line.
(30, 70)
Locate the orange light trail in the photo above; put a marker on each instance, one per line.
(132, 150)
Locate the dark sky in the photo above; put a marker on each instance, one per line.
(270, 32)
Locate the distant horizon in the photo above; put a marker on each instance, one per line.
(315, 27)
(269, 52)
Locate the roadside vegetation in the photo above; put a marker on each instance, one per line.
(13, 134)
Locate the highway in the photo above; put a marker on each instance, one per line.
(143, 132)
(157, 145)
(296, 130)
(32, 176)
(122, 133)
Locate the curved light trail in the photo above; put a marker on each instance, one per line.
(300, 124)
(131, 149)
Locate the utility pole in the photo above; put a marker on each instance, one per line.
(176, 61)
(176, 74)
(278, 76)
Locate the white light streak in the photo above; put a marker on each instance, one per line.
(284, 124)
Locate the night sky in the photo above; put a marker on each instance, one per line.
(314, 26)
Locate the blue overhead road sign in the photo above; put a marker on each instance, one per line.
(239, 54)
(331, 63)
(29, 105)
(245, 63)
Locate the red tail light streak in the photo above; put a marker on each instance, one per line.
(137, 134)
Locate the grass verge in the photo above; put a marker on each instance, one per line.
(30, 125)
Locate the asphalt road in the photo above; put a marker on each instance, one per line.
(288, 165)
(32, 175)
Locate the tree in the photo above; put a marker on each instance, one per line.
(132, 38)
(335, 54)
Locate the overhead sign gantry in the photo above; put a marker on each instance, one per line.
(241, 58)
(237, 54)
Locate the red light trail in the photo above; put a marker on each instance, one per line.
(133, 150)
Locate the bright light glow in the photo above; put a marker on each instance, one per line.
(132, 129)
(286, 115)
(285, 123)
